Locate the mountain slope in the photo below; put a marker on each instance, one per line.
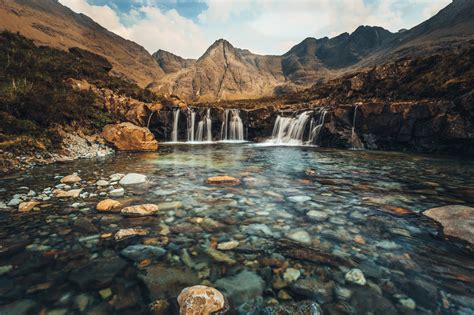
(170, 62)
(49, 23)
(224, 72)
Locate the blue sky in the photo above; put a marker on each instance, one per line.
(187, 28)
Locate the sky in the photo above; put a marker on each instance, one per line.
(269, 27)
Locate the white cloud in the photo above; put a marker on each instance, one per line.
(266, 27)
(149, 27)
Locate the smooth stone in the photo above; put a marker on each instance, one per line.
(125, 233)
(140, 210)
(133, 179)
(107, 205)
(291, 274)
(21, 307)
(27, 206)
(299, 199)
(408, 303)
(321, 292)
(167, 282)
(219, 256)
(70, 179)
(118, 192)
(74, 193)
(300, 236)
(241, 288)
(102, 182)
(201, 300)
(227, 245)
(258, 229)
(355, 276)
(456, 221)
(141, 252)
(317, 215)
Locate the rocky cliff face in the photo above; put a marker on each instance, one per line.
(171, 63)
(49, 23)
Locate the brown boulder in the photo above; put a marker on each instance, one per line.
(129, 137)
(140, 210)
(457, 221)
(70, 179)
(200, 300)
(107, 205)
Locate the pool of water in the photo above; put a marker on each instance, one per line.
(321, 212)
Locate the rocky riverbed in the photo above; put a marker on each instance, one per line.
(276, 230)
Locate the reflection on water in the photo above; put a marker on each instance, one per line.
(341, 203)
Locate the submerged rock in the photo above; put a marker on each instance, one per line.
(133, 179)
(27, 206)
(300, 236)
(223, 180)
(457, 221)
(299, 199)
(140, 210)
(107, 205)
(124, 233)
(355, 276)
(291, 274)
(141, 252)
(294, 308)
(315, 289)
(243, 287)
(73, 193)
(200, 300)
(98, 274)
(227, 245)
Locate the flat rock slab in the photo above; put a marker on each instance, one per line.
(457, 221)
(223, 180)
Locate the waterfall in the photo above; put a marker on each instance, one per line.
(206, 122)
(174, 133)
(191, 122)
(290, 130)
(316, 130)
(355, 141)
(232, 128)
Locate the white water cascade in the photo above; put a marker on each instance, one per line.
(290, 130)
(315, 130)
(355, 140)
(232, 127)
(205, 123)
(191, 120)
(174, 133)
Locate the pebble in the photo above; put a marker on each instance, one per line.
(299, 199)
(355, 276)
(227, 245)
(408, 303)
(14, 202)
(102, 183)
(317, 215)
(300, 236)
(291, 274)
(133, 179)
(200, 299)
(70, 179)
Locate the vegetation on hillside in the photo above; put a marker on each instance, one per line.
(34, 95)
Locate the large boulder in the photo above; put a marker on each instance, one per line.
(129, 137)
(457, 221)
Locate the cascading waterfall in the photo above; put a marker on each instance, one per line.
(316, 130)
(174, 133)
(290, 130)
(355, 141)
(191, 120)
(206, 122)
(233, 127)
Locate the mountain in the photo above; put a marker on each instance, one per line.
(224, 72)
(49, 23)
(313, 61)
(170, 62)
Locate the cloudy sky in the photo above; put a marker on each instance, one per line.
(187, 28)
